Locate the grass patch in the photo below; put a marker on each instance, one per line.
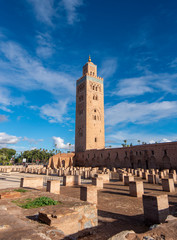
(20, 190)
(37, 202)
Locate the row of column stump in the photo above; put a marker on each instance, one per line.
(156, 206)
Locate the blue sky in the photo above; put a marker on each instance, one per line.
(45, 43)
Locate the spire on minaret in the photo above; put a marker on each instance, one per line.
(89, 59)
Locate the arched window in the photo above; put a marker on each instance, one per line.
(93, 73)
(90, 73)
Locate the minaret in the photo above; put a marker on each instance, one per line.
(89, 131)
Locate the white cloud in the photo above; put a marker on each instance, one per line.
(133, 86)
(173, 64)
(46, 46)
(44, 10)
(32, 140)
(29, 73)
(165, 140)
(71, 7)
(108, 68)
(129, 87)
(3, 118)
(59, 143)
(54, 112)
(7, 139)
(7, 100)
(140, 113)
(44, 51)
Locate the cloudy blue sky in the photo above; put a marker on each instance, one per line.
(45, 43)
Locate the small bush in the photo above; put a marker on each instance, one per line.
(39, 202)
(20, 190)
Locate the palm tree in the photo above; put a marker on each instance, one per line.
(139, 141)
(125, 143)
(69, 147)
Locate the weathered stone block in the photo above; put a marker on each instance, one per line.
(156, 208)
(151, 178)
(98, 182)
(89, 194)
(168, 185)
(68, 181)
(53, 186)
(31, 182)
(172, 176)
(127, 179)
(139, 173)
(105, 177)
(136, 188)
(77, 180)
(121, 176)
(145, 175)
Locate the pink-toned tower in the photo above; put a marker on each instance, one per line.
(89, 131)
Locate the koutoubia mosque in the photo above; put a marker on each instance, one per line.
(90, 134)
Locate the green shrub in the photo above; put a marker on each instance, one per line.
(20, 190)
(39, 202)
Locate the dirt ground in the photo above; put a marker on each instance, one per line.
(117, 212)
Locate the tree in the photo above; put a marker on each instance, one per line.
(35, 156)
(139, 141)
(6, 155)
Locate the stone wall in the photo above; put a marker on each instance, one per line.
(160, 155)
(61, 160)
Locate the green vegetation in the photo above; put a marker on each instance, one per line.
(126, 145)
(36, 156)
(9, 156)
(37, 202)
(20, 190)
(6, 155)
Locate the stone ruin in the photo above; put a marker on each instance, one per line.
(82, 214)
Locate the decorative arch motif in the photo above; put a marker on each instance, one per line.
(96, 114)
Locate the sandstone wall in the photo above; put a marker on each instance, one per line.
(61, 160)
(161, 155)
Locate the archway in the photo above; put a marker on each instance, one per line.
(166, 162)
(63, 163)
(147, 164)
(139, 164)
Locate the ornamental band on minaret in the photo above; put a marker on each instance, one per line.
(89, 131)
